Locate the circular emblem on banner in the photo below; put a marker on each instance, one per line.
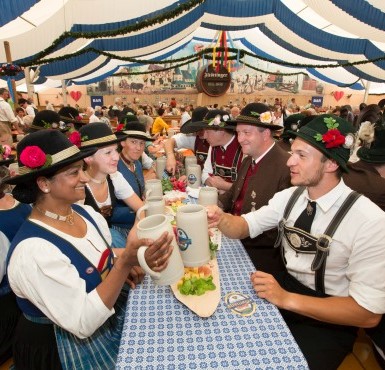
(213, 81)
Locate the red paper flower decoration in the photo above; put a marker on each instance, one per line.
(33, 157)
(333, 139)
(120, 127)
(75, 138)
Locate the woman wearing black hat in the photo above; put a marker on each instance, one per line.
(12, 215)
(107, 185)
(66, 277)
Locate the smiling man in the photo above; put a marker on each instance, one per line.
(262, 173)
(331, 241)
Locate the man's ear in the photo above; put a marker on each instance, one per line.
(331, 165)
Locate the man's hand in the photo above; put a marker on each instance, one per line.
(214, 214)
(171, 163)
(268, 288)
(218, 182)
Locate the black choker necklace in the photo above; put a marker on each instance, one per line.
(69, 219)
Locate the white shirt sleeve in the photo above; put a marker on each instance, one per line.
(4, 247)
(208, 167)
(41, 273)
(30, 111)
(184, 141)
(147, 162)
(123, 189)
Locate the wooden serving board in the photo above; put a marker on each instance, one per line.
(206, 304)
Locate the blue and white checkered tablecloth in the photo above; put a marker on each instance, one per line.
(161, 333)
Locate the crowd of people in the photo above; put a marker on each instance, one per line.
(303, 190)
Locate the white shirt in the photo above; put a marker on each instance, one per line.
(41, 273)
(30, 111)
(122, 189)
(93, 119)
(208, 166)
(356, 263)
(147, 162)
(6, 112)
(184, 118)
(184, 141)
(49, 106)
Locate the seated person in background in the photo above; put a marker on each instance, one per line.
(160, 126)
(225, 154)
(106, 184)
(194, 141)
(69, 283)
(263, 172)
(367, 175)
(5, 135)
(129, 165)
(185, 116)
(19, 125)
(329, 292)
(12, 215)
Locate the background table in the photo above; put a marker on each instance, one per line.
(161, 333)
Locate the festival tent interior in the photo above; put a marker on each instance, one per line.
(340, 42)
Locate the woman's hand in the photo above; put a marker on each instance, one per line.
(135, 276)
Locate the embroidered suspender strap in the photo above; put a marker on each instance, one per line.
(323, 242)
(289, 206)
(234, 167)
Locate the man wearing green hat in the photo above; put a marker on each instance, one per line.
(332, 242)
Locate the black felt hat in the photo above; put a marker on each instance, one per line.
(375, 151)
(198, 114)
(257, 114)
(71, 115)
(331, 135)
(136, 130)
(215, 119)
(44, 153)
(98, 135)
(48, 119)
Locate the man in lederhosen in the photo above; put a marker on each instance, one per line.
(332, 242)
(225, 154)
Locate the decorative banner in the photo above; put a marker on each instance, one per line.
(96, 100)
(317, 101)
(75, 95)
(338, 95)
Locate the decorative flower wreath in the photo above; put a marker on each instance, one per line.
(219, 121)
(5, 151)
(265, 117)
(34, 158)
(54, 125)
(9, 69)
(333, 137)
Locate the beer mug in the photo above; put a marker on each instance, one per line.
(193, 235)
(194, 175)
(160, 166)
(153, 206)
(208, 196)
(153, 188)
(153, 227)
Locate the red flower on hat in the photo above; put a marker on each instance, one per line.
(33, 157)
(120, 127)
(75, 138)
(333, 139)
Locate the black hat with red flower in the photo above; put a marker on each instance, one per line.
(43, 153)
(71, 115)
(331, 135)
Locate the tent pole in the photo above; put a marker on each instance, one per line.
(367, 87)
(64, 92)
(7, 49)
(28, 82)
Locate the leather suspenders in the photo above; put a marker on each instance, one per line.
(324, 240)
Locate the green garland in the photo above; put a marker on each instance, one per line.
(178, 10)
(207, 54)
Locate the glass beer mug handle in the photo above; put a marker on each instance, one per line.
(143, 263)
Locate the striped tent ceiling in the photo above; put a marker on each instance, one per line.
(337, 41)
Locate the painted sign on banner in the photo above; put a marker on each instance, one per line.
(96, 100)
(317, 101)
